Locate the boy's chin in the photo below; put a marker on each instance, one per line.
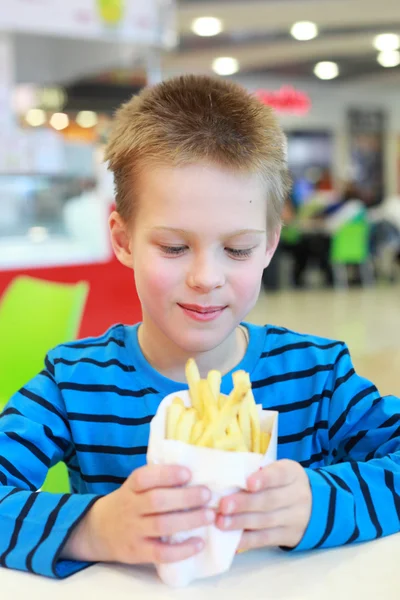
(197, 342)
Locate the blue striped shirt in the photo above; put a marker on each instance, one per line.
(92, 404)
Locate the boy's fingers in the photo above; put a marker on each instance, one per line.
(157, 476)
(254, 521)
(157, 501)
(279, 474)
(159, 552)
(266, 501)
(171, 523)
(263, 537)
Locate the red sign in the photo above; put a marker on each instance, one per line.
(286, 100)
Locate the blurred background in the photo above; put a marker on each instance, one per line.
(331, 71)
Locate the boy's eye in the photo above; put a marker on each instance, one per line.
(173, 250)
(240, 252)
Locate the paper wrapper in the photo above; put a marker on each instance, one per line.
(223, 473)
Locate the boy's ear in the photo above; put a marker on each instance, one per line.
(120, 239)
(273, 241)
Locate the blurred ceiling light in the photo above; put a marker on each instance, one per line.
(387, 41)
(38, 234)
(207, 26)
(35, 117)
(24, 98)
(59, 121)
(225, 65)
(389, 58)
(87, 118)
(52, 98)
(326, 70)
(304, 30)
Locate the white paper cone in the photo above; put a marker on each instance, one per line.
(223, 473)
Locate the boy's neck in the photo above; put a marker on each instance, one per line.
(170, 361)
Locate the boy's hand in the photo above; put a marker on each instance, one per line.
(127, 525)
(275, 510)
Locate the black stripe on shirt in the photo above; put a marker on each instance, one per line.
(355, 535)
(58, 441)
(283, 408)
(331, 511)
(389, 481)
(97, 363)
(341, 483)
(342, 419)
(50, 407)
(99, 387)
(111, 340)
(16, 473)
(284, 377)
(361, 434)
(29, 446)
(367, 498)
(68, 534)
(49, 366)
(45, 373)
(356, 532)
(296, 437)
(395, 434)
(74, 468)
(338, 480)
(121, 450)
(90, 418)
(19, 521)
(343, 352)
(47, 530)
(69, 455)
(3, 478)
(10, 411)
(13, 491)
(298, 346)
(314, 458)
(340, 380)
(278, 330)
(102, 478)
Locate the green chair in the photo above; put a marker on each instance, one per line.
(35, 316)
(350, 246)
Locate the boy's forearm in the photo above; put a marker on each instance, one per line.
(84, 544)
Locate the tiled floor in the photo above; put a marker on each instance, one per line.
(368, 320)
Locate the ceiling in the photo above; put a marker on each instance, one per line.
(256, 33)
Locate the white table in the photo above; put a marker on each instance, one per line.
(360, 572)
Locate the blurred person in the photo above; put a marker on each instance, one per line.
(201, 177)
(315, 243)
(385, 237)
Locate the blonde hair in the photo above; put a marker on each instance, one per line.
(197, 119)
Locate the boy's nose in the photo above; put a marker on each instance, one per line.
(205, 276)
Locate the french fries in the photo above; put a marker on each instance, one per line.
(215, 420)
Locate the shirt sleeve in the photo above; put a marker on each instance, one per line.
(34, 436)
(356, 496)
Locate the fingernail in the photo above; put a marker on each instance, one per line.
(183, 474)
(230, 507)
(199, 545)
(227, 522)
(256, 485)
(205, 495)
(210, 516)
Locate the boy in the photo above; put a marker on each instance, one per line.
(200, 174)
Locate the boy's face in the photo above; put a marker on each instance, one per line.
(198, 248)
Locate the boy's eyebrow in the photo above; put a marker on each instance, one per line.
(233, 234)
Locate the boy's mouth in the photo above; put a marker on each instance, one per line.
(202, 313)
